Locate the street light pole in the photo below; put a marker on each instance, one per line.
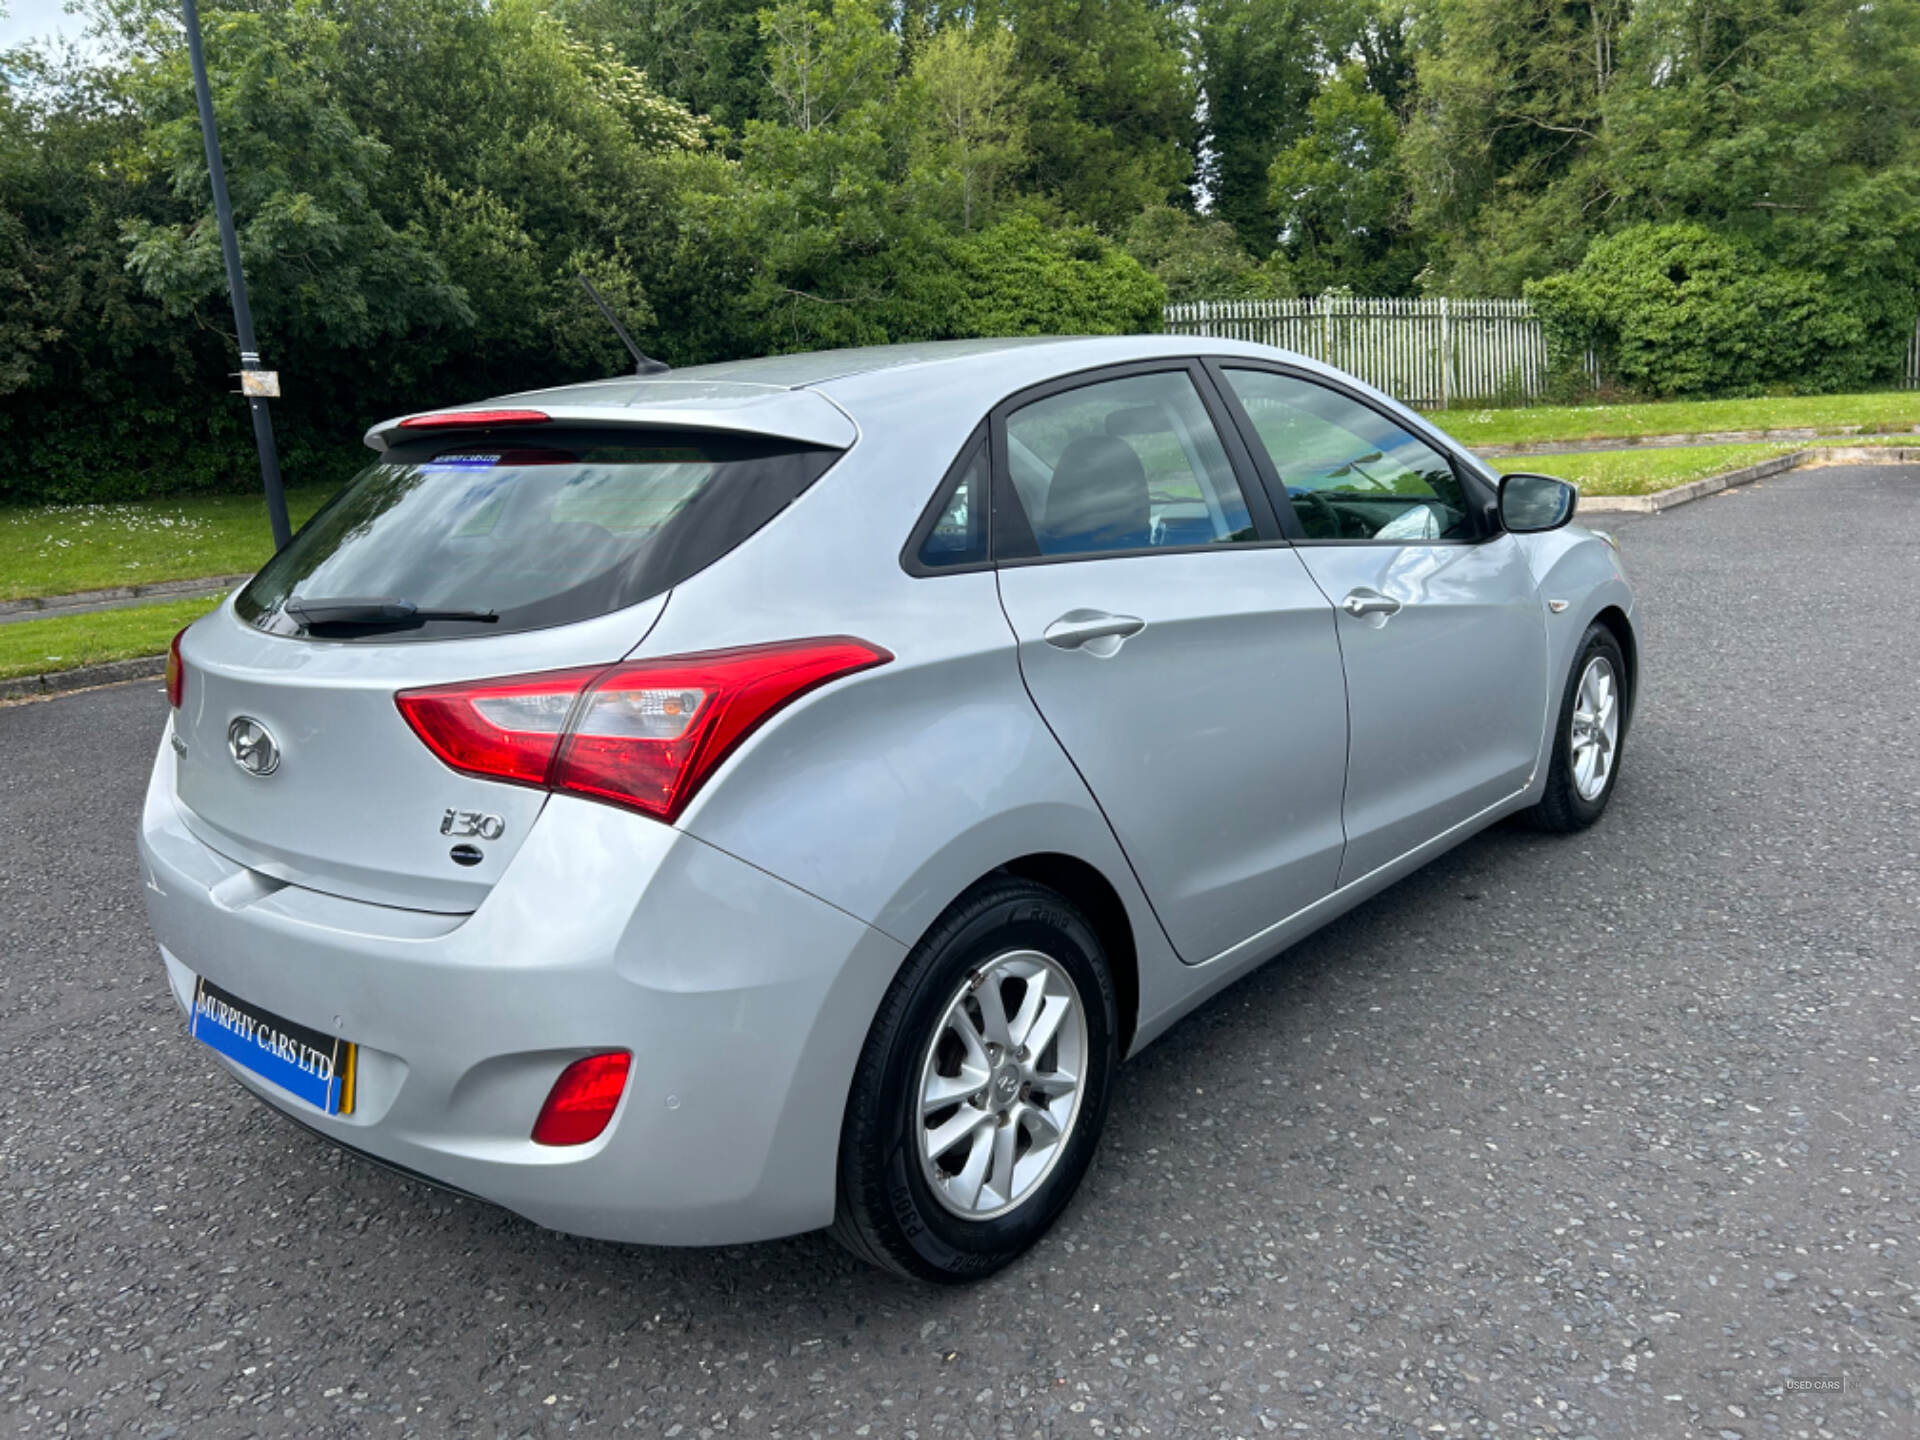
(255, 382)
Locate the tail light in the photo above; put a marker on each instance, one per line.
(643, 734)
(583, 1100)
(176, 672)
(472, 419)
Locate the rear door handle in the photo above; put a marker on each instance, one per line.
(1094, 631)
(1364, 602)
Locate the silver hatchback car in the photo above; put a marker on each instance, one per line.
(704, 807)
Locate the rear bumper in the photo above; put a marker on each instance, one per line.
(744, 1002)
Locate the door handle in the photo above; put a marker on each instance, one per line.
(1364, 602)
(1094, 631)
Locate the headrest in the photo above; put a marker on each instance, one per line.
(1097, 499)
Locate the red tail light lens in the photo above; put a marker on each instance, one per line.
(176, 672)
(644, 734)
(502, 729)
(583, 1100)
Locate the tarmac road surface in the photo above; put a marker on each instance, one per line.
(1609, 1136)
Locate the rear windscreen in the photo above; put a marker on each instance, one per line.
(494, 537)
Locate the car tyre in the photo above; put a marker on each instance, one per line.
(1589, 738)
(902, 1209)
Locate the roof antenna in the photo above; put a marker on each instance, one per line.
(644, 364)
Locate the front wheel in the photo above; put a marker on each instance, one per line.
(1588, 736)
(982, 1088)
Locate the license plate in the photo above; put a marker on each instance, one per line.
(317, 1068)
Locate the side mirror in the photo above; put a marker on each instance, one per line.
(1532, 503)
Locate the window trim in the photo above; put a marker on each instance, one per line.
(910, 560)
(1008, 518)
(1480, 503)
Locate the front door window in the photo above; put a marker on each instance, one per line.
(1350, 472)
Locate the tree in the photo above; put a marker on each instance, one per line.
(1197, 257)
(1786, 125)
(1791, 127)
(1341, 196)
(1511, 108)
(703, 53)
(1023, 277)
(824, 65)
(327, 272)
(1262, 65)
(790, 243)
(90, 369)
(1110, 102)
(971, 122)
(523, 155)
(414, 202)
(1259, 62)
(419, 182)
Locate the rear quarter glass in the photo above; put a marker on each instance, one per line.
(534, 528)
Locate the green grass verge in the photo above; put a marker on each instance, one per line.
(41, 647)
(1891, 410)
(58, 549)
(1642, 472)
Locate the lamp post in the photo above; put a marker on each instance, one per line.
(255, 383)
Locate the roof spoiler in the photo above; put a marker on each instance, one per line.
(654, 403)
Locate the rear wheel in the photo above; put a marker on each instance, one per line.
(981, 1091)
(1588, 736)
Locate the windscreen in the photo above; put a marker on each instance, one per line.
(486, 537)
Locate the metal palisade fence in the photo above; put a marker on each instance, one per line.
(1432, 352)
(1428, 352)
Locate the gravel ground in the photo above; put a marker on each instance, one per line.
(1604, 1136)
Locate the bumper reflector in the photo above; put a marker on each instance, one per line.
(583, 1100)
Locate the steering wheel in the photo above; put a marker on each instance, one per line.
(1328, 521)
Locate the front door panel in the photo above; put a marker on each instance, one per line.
(1214, 736)
(1446, 695)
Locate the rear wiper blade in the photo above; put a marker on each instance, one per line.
(345, 611)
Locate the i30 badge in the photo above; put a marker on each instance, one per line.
(252, 747)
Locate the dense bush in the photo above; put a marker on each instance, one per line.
(1025, 278)
(1676, 310)
(1198, 257)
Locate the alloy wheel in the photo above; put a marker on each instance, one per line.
(1000, 1084)
(1595, 728)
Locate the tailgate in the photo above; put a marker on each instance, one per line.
(354, 803)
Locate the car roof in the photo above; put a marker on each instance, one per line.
(815, 397)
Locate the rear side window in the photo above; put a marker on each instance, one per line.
(1121, 465)
(532, 532)
(958, 532)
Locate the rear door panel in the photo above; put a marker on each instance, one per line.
(1212, 728)
(1214, 738)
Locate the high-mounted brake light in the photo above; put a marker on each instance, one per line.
(176, 672)
(643, 734)
(472, 419)
(583, 1100)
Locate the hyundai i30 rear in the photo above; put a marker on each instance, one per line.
(712, 806)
